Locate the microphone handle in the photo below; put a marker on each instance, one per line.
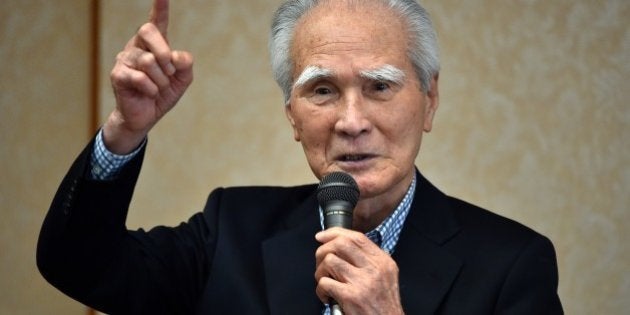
(337, 214)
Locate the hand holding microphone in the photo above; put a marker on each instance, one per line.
(351, 269)
(337, 195)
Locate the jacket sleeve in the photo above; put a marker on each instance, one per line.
(86, 251)
(532, 283)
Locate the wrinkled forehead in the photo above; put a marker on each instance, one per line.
(335, 30)
(344, 14)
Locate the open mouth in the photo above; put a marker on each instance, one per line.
(354, 157)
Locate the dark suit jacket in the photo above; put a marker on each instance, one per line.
(251, 251)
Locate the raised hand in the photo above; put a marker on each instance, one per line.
(148, 79)
(356, 273)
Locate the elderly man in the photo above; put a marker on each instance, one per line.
(360, 80)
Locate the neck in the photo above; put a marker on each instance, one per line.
(372, 211)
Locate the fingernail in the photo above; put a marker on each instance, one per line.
(170, 69)
(318, 235)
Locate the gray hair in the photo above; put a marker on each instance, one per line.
(423, 49)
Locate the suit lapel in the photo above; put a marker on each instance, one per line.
(426, 269)
(290, 280)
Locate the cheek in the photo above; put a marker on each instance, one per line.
(313, 137)
(313, 129)
(404, 130)
(314, 142)
(403, 119)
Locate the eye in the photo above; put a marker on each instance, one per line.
(380, 90)
(321, 93)
(322, 90)
(380, 86)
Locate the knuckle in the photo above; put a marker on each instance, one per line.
(329, 259)
(121, 55)
(117, 75)
(317, 275)
(320, 256)
(392, 267)
(358, 239)
(319, 253)
(146, 29)
(145, 61)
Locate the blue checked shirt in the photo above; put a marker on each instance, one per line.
(386, 235)
(106, 165)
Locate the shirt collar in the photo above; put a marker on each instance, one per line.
(388, 232)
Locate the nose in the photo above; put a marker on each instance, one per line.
(352, 116)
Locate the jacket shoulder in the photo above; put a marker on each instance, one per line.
(260, 207)
(485, 222)
(259, 197)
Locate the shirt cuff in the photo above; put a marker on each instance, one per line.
(106, 165)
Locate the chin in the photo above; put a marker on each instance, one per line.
(369, 186)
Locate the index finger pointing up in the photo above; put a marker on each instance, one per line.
(159, 15)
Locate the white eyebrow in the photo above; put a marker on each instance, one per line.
(387, 73)
(312, 73)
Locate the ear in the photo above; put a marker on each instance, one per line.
(432, 99)
(288, 111)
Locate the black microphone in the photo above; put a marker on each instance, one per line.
(337, 195)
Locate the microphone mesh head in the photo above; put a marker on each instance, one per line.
(338, 186)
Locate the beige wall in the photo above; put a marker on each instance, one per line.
(532, 124)
(43, 124)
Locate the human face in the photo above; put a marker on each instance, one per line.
(357, 105)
